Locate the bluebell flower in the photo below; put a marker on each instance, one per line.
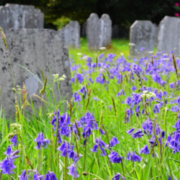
(13, 140)
(121, 93)
(177, 125)
(101, 144)
(137, 134)
(80, 78)
(101, 131)
(114, 157)
(50, 176)
(76, 97)
(133, 88)
(156, 109)
(73, 171)
(8, 151)
(172, 85)
(144, 150)
(118, 176)
(128, 101)
(130, 131)
(23, 176)
(41, 142)
(133, 157)
(113, 142)
(147, 127)
(174, 108)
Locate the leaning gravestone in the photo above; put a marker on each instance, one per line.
(105, 30)
(30, 51)
(71, 33)
(14, 16)
(99, 31)
(169, 35)
(142, 36)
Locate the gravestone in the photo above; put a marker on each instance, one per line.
(71, 34)
(142, 36)
(30, 51)
(93, 31)
(99, 31)
(14, 16)
(169, 35)
(105, 30)
(115, 32)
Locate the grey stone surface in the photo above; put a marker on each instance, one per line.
(32, 84)
(99, 31)
(16, 16)
(169, 35)
(105, 30)
(71, 34)
(34, 49)
(93, 31)
(115, 32)
(142, 35)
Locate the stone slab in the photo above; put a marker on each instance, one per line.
(30, 51)
(169, 35)
(16, 16)
(142, 35)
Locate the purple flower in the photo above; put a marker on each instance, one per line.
(144, 150)
(128, 101)
(177, 125)
(130, 131)
(114, 157)
(174, 108)
(101, 131)
(147, 127)
(113, 142)
(156, 109)
(121, 93)
(7, 166)
(41, 142)
(50, 176)
(23, 176)
(118, 176)
(80, 78)
(133, 157)
(138, 134)
(77, 97)
(73, 171)
(172, 85)
(133, 88)
(101, 145)
(13, 140)
(8, 151)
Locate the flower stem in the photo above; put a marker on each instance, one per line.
(39, 161)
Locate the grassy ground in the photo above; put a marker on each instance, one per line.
(117, 47)
(96, 106)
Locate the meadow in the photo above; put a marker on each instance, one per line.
(123, 122)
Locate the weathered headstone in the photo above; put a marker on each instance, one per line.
(142, 36)
(99, 31)
(71, 33)
(14, 16)
(169, 35)
(93, 31)
(115, 31)
(105, 30)
(33, 49)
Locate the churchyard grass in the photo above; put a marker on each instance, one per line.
(122, 122)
